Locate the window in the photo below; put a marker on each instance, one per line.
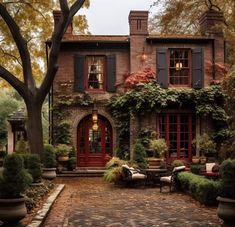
(95, 72)
(179, 71)
(178, 130)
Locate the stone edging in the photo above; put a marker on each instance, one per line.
(42, 213)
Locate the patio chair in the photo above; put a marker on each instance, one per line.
(171, 180)
(132, 174)
(212, 170)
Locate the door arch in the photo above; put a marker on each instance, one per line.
(94, 148)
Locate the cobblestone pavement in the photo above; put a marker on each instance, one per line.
(92, 202)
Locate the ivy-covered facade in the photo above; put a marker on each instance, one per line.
(180, 101)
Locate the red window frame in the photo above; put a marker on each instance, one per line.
(88, 73)
(186, 65)
(178, 129)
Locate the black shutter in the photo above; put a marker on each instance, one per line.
(197, 68)
(111, 73)
(79, 61)
(162, 67)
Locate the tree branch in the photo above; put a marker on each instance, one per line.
(59, 30)
(21, 45)
(14, 82)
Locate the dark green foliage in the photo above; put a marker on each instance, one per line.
(25, 157)
(196, 169)
(177, 163)
(72, 163)
(140, 155)
(62, 133)
(49, 156)
(3, 154)
(201, 188)
(150, 98)
(122, 152)
(227, 172)
(34, 167)
(72, 152)
(15, 178)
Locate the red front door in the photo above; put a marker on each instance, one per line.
(94, 146)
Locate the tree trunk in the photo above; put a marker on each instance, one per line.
(34, 127)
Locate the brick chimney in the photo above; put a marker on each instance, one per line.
(57, 15)
(138, 22)
(211, 23)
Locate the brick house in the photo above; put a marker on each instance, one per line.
(94, 67)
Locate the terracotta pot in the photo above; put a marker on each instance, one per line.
(226, 211)
(63, 158)
(49, 173)
(155, 161)
(12, 210)
(203, 159)
(195, 160)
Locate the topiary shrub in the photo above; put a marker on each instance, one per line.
(15, 178)
(140, 155)
(227, 173)
(34, 167)
(196, 169)
(49, 156)
(201, 188)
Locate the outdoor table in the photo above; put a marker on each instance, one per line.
(153, 175)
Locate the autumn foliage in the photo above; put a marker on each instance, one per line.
(142, 76)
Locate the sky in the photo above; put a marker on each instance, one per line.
(110, 17)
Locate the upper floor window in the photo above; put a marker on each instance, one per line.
(179, 70)
(95, 72)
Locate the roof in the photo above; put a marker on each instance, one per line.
(17, 116)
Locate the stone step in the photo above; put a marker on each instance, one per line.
(83, 172)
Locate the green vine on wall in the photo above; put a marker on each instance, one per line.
(207, 102)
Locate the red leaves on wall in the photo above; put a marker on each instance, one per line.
(143, 76)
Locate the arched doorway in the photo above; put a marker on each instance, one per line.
(94, 148)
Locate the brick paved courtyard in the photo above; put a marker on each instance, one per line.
(92, 202)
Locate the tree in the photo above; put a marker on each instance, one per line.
(35, 31)
(32, 95)
(180, 17)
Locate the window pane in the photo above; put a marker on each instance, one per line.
(95, 72)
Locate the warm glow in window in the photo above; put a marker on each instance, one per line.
(95, 69)
(179, 67)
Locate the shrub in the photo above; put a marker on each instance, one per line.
(177, 163)
(72, 163)
(21, 146)
(227, 173)
(196, 169)
(140, 155)
(202, 189)
(62, 149)
(34, 167)
(72, 152)
(159, 147)
(49, 156)
(14, 178)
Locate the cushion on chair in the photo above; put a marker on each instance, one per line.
(209, 167)
(138, 176)
(166, 179)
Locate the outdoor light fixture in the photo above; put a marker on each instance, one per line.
(94, 118)
(143, 56)
(178, 66)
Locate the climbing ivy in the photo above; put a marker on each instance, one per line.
(151, 97)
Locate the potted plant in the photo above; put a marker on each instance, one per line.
(13, 182)
(226, 207)
(195, 159)
(206, 146)
(49, 162)
(62, 152)
(159, 148)
(34, 168)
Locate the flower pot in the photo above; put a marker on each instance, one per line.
(195, 160)
(155, 161)
(63, 158)
(203, 159)
(49, 173)
(226, 211)
(12, 210)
